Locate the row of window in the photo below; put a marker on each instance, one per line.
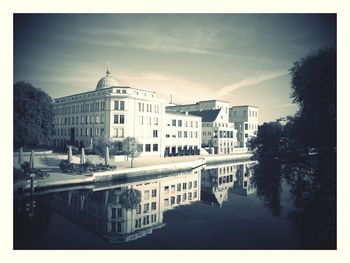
(251, 113)
(185, 134)
(222, 134)
(97, 119)
(119, 105)
(119, 118)
(79, 132)
(147, 147)
(146, 194)
(185, 122)
(215, 124)
(116, 212)
(81, 108)
(146, 107)
(180, 198)
(180, 186)
(118, 132)
(145, 220)
(146, 120)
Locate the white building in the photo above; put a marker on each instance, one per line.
(217, 131)
(116, 112)
(245, 119)
(182, 134)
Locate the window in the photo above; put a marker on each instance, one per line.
(114, 213)
(194, 184)
(173, 122)
(119, 227)
(153, 218)
(155, 147)
(178, 199)
(189, 196)
(154, 206)
(119, 119)
(191, 123)
(147, 147)
(246, 126)
(116, 105)
(195, 194)
(184, 197)
(179, 123)
(179, 187)
(166, 189)
(184, 186)
(154, 193)
(172, 200)
(120, 212)
(185, 134)
(155, 121)
(146, 195)
(172, 189)
(122, 105)
(140, 120)
(103, 105)
(166, 202)
(189, 185)
(145, 208)
(140, 106)
(179, 134)
(138, 209)
(113, 227)
(155, 133)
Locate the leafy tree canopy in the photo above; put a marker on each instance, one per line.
(32, 116)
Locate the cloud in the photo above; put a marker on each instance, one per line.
(182, 89)
(249, 82)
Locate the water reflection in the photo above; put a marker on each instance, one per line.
(98, 207)
(218, 179)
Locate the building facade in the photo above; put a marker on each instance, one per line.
(116, 112)
(217, 132)
(245, 119)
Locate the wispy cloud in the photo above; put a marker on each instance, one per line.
(249, 82)
(201, 42)
(182, 89)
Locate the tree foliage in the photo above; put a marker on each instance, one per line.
(131, 148)
(32, 116)
(100, 144)
(303, 152)
(313, 83)
(130, 198)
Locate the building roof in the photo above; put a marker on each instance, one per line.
(180, 113)
(106, 82)
(244, 106)
(207, 115)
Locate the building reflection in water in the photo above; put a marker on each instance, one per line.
(99, 209)
(218, 179)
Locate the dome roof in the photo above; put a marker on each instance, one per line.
(106, 82)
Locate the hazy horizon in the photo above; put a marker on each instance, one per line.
(240, 58)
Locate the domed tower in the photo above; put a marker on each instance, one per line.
(106, 82)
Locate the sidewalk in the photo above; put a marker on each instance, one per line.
(50, 163)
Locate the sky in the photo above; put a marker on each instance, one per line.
(240, 58)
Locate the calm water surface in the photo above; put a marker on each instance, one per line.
(216, 208)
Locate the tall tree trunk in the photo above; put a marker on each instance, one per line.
(132, 160)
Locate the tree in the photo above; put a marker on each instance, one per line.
(313, 83)
(131, 148)
(32, 116)
(130, 198)
(100, 144)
